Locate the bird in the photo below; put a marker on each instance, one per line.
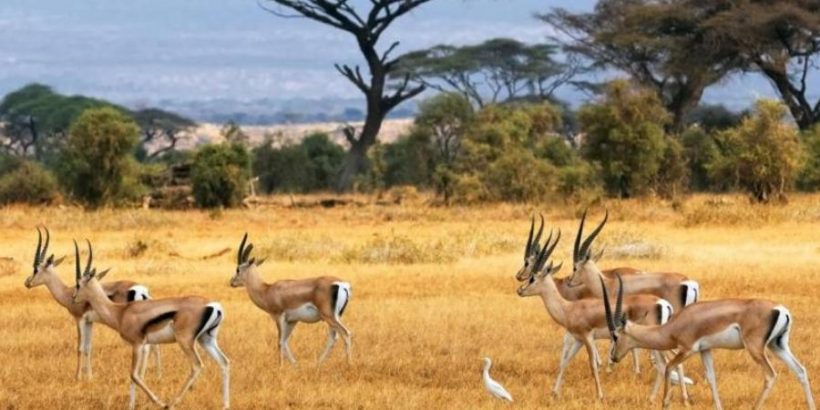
(493, 386)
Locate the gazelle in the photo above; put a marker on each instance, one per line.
(676, 288)
(185, 320)
(44, 274)
(289, 302)
(584, 320)
(570, 293)
(751, 324)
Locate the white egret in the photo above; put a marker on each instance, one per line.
(493, 386)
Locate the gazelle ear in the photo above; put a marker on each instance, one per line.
(58, 261)
(554, 269)
(251, 261)
(598, 255)
(102, 274)
(261, 261)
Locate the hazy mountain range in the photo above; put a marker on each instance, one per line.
(229, 59)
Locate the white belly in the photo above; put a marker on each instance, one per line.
(305, 313)
(729, 338)
(164, 334)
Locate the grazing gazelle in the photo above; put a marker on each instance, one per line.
(185, 320)
(751, 324)
(44, 274)
(289, 302)
(585, 321)
(676, 288)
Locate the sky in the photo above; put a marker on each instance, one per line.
(143, 51)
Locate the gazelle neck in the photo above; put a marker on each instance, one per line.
(256, 288)
(109, 312)
(61, 293)
(655, 337)
(554, 301)
(589, 278)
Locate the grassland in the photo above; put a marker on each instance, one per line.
(433, 292)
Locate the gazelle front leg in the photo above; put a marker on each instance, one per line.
(589, 343)
(709, 365)
(675, 362)
(80, 347)
(137, 357)
(285, 330)
(88, 327)
(566, 357)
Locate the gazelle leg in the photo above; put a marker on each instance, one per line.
(675, 362)
(287, 331)
(589, 343)
(80, 347)
(758, 353)
(189, 348)
(785, 354)
(137, 357)
(89, 333)
(144, 362)
(709, 365)
(636, 361)
(684, 390)
(212, 348)
(157, 360)
(566, 357)
(660, 368)
(331, 340)
(132, 388)
(336, 324)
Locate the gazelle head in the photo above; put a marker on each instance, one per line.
(531, 251)
(83, 279)
(582, 255)
(42, 266)
(622, 343)
(535, 283)
(244, 265)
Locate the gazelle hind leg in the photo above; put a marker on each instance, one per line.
(636, 361)
(157, 360)
(347, 335)
(189, 348)
(589, 343)
(660, 366)
(780, 347)
(758, 353)
(711, 378)
(332, 335)
(675, 362)
(211, 346)
(567, 355)
(136, 360)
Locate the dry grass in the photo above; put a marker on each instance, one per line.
(433, 293)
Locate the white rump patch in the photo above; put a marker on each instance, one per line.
(783, 320)
(692, 292)
(342, 297)
(666, 310)
(140, 292)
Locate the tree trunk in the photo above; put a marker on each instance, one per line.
(356, 160)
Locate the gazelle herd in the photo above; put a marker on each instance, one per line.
(659, 312)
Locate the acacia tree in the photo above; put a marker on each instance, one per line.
(659, 44)
(780, 39)
(496, 70)
(161, 130)
(381, 96)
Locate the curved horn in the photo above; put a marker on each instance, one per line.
(607, 309)
(76, 263)
(529, 239)
(620, 302)
(90, 257)
(540, 231)
(241, 248)
(247, 252)
(585, 246)
(554, 244)
(576, 247)
(39, 245)
(45, 246)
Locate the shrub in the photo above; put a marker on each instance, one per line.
(28, 183)
(220, 175)
(98, 165)
(809, 178)
(624, 135)
(700, 150)
(310, 165)
(763, 152)
(409, 161)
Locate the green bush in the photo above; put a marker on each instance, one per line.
(98, 165)
(308, 166)
(809, 178)
(28, 183)
(410, 160)
(625, 137)
(700, 150)
(763, 153)
(220, 175)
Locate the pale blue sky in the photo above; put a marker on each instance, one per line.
(148, 50)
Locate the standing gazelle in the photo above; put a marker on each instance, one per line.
(674, 287)
(751, 324)
(585, 321)
(184, 320)
(289, 302)
(44, 274)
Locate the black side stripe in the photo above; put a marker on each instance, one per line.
(159, 319)
(216, 324)
(660, 313)
(132, 294)
(205, 316)
(684, 290)
(334, 296)
(772, 324)
(347, 299)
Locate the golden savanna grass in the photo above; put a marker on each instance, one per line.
(433, 292)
